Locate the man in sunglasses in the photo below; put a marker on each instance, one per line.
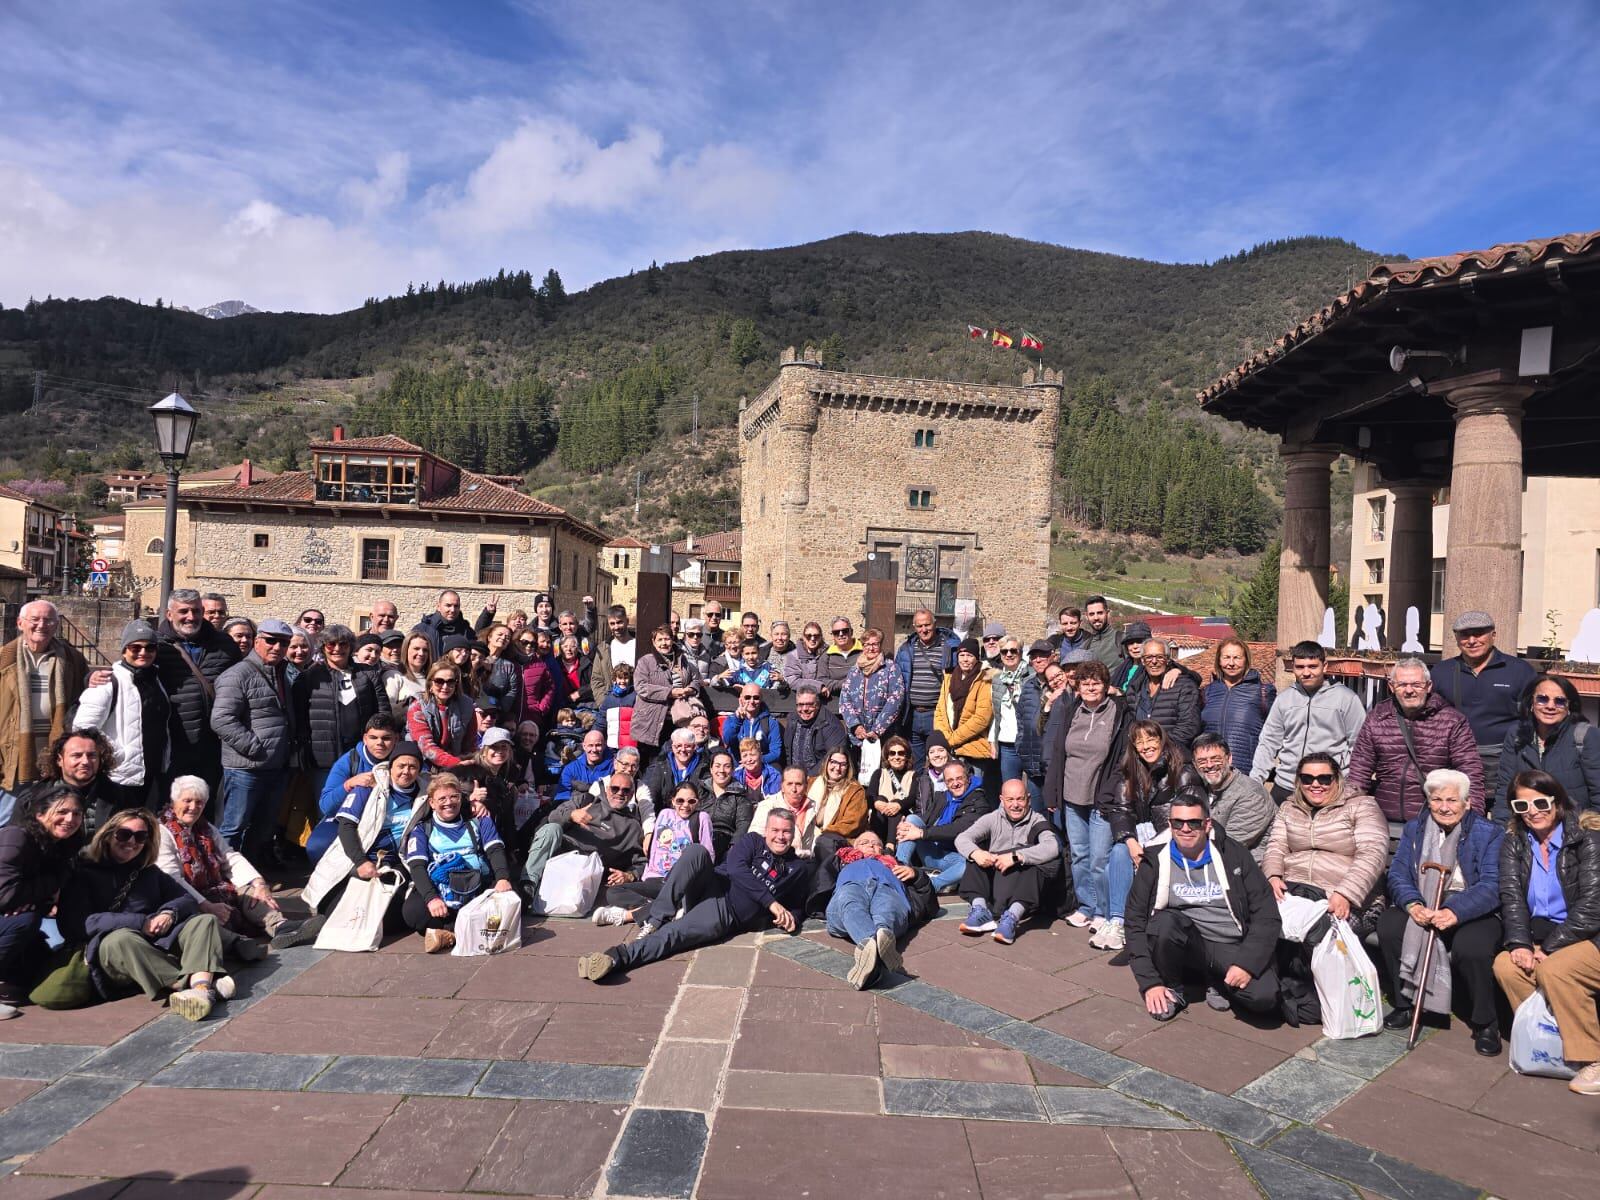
(1400, 742)
(191, 656)
(1200, 903)
(1312, 717)
(606, 824)
(253, 716)
(843, 650)
(1485, 683)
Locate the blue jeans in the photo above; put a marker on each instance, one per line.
(918, 728)
(1089, 843)
(861, 907)
(1011, 768)
(250, 800)
(943, 862)
(1119, 879)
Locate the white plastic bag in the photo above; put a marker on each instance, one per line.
(1347, 985)
(1536, 1040)
(356, 923)
(570, 884)
(1298, 915)
(871, 757)
(489, 924)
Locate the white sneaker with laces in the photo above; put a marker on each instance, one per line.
(1080, 920)
(610, 914)
(1109, 936)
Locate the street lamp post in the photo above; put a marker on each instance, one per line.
(175, 421)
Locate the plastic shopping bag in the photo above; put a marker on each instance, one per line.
(1347, 985)
(356, 923)
(871, 757)
(1298, 915)
(1536, 1040)
(570, 884)
(491, 923)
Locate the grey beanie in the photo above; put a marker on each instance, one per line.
(137, 631)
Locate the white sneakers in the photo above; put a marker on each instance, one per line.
(1109, 936)
(610, 914)
(1587, 1081)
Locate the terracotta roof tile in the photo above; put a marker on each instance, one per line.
(719, 547)
(627, 542)
(1386, 276)
(225, 473)
(382, 441)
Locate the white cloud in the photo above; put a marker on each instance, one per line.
(386, 188)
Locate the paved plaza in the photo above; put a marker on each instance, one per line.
(753, 1070)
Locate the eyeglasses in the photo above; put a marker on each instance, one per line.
(1187, 822)
(894, 753)
(273, 639)
(1310, 780)
(1551, 701)
(525, 642)
(694, 633)
(131, 837)
(318, 621)
(139, 648)
(1522, 806)
(617, 791)
(445, 681)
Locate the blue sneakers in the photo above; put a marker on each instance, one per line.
(979, 920)
(1005, 930)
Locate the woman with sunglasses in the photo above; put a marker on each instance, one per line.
(1327, 843)
(1017, 728)
(838, 808)
(38, 851)
(539, 700)
(140, 930)
(1553, 736)
(133, 711)
(444, 723)
(1550, 908)
(898, 790)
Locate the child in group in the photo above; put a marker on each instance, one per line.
(676, 829)
(616, 708)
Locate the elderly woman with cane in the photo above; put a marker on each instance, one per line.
(1443, 928)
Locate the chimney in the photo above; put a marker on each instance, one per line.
(689, 545)
(338, 433)
(246, 474)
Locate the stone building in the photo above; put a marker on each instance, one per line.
(35, 537)
(707, 568)
(374, 517)
(946, 484)
(623, 558)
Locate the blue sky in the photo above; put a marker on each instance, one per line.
(303, 155)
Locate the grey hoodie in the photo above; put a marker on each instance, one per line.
(1032, 838)
(1300, 722)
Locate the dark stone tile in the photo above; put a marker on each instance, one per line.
(602, 1034)
(524, 1157)
(824, 960)
(751, 1154)
(1061, 1051)
(1027, 1162)
(1371, 1169)
(1211, 1109)
(1367, 1057)
(659, 1153)
(257, 981)
(142, 1053)
(1100, 1106)
(559, 1081)
(1282, 1179)
(258, 1072)
(951, 1098)
(34, 1123)
(1182, 1166)
(946, 1006)
(368, 1075)
(405, 1152)
(1300, 1090)
(41, 1061)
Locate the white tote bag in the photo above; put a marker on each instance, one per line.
(1298, 915)
(489, 924)
(570, 884)
(1347, 985)
(1536, 1040)
(871, 757)
(356, 923)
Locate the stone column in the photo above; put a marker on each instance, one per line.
(1303, 565)
(1410, 560)
(1483, 568)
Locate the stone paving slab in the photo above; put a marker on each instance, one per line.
(950, 1098)
(1169, 1163)
(1033, 1162)
(236, 1072)
(659, 1153)
(558, 1081)
(368, 1075)
(1282, 1179)
(429, 1143)
(41, 1060)
(1368, 1169)
(794, 1091)
(1100, 1106)
(1211, 1109)
(1300, 1089)
(33, 1123)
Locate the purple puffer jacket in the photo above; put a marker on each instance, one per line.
(1381, 767)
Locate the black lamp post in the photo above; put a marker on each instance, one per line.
(175, 421)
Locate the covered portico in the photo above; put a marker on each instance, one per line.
(1465, 372)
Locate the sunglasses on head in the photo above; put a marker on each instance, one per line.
(1322, 780)
(1187, 822)
(1524, 805)
(132, 837)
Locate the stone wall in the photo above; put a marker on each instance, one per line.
(829, 460)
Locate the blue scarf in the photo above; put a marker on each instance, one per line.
(1192, 864)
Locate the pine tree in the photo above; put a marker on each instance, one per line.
(1255, 612)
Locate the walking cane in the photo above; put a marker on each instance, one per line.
(1427, 952)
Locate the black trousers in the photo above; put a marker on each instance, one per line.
(1176, 946)
(1472, 946)
(693, 885)
(1001, 889)
(638, 894)
(414, 911)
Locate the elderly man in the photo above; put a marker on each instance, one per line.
(214, 607)
(1313, 715)
(1013, 856)
(1166, 692)
(1403, 739)
(1240, 806)
(41, 678)
(1486, 684)
(762, 883)
(1199, 901)
(191, 656)
(444, 621)
(753, 719)
(607, 825)
(254, 717)
(577, 775)
(923, 660)
(934, 846)
(814, 731)
(383, 617)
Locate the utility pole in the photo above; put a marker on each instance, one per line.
(638, 477)
(38, 388)
(697, 419)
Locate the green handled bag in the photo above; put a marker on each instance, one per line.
(67, 984)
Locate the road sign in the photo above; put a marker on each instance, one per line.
(99, 566)
(99, 580)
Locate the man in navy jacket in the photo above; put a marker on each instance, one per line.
(762, 882)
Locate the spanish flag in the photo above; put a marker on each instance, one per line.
(1001, 339)
(1029, 342)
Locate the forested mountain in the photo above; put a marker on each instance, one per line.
(451, 365)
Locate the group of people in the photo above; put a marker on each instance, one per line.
(735, 778)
